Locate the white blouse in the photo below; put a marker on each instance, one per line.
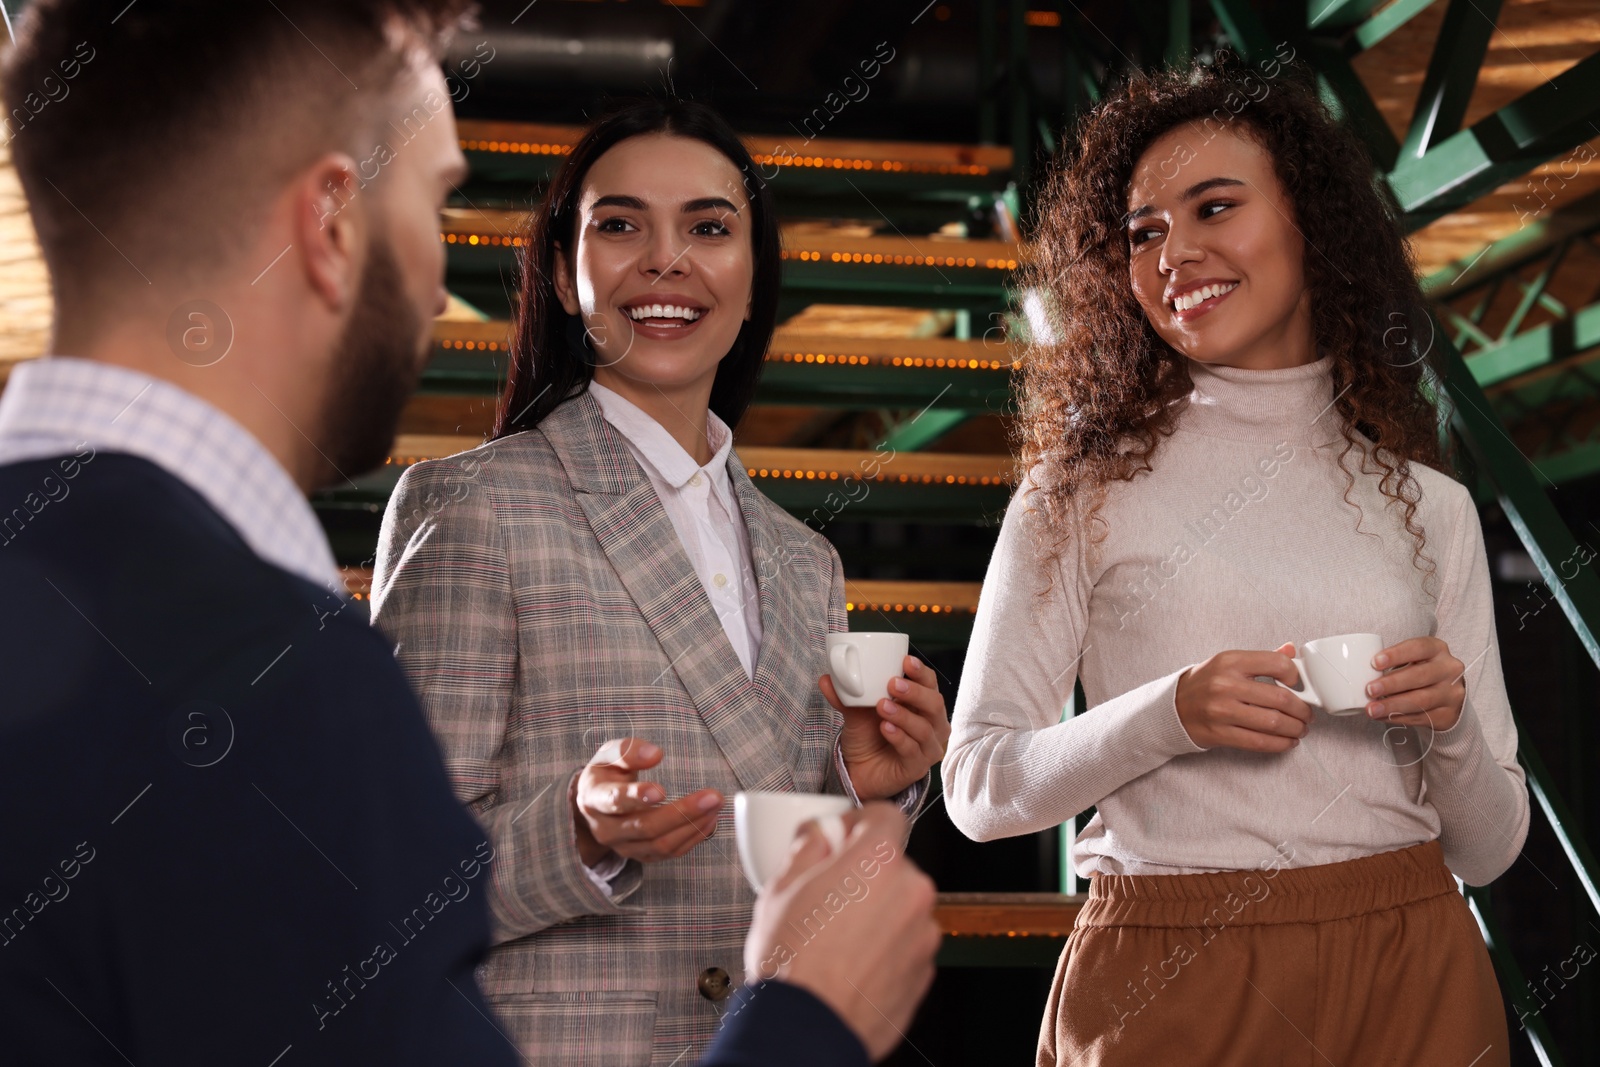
(701, 504)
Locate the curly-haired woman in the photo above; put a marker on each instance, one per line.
(1229, 450)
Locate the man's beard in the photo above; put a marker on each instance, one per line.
(378, 362)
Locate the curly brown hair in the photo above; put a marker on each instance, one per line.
(1098, 384)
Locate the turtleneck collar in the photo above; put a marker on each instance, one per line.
(1293, 404)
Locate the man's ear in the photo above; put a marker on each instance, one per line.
(566, 292)
(327, 227)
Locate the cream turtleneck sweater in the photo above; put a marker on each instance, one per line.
(1239, 539)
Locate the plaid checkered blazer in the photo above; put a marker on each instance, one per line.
(541, 604)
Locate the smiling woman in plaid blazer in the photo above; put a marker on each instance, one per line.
(600, 591)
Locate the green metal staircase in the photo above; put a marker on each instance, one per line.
(1517, 323)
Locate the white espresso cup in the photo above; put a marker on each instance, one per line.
(1334, 672)
(766, 824)
(863, 665)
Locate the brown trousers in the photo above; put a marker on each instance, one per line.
(1372, 961)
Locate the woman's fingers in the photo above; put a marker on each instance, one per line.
(906, 746)
(1274, 697)
(921, 737)
(1413, 702)
(1241, 715)
(1411, 650)
(920, 673)
(665, 818)
(916, 696)
(622, 798)
(669, 845)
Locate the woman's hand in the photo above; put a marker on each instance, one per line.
(891, 747)
(613, 811)
(1428, 688)
(1221, 704)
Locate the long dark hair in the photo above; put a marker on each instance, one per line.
(1102, 379)
(544, 371)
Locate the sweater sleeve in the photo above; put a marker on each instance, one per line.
(1014, 767)
(441, 590)
(1470, 772)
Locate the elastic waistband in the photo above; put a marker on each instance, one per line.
(1272, 895)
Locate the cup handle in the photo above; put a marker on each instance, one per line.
(832, 827)
(846, 663)
(1308, 694)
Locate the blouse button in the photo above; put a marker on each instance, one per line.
(696, 480)
(720, 580)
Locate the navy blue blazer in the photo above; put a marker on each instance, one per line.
(775, 1024)
(226, 835)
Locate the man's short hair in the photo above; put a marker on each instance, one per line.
(150, 142)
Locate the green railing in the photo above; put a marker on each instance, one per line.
(1548, 541)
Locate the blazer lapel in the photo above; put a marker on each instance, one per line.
(642, 545)
(783, 677)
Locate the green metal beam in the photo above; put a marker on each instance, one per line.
(1452, 73)
(481, 275)
(1542, 532)
(1535, 238)
(1384, 23)
(1017, 78)
(988, 84)
(1561, 820)
(1331, 15)
(1346, 94)
(835, 385)
(1512, 982)
(1340, 87)
(1243, 27)
(927, 427)
(1180, 31)
(355, 513)
(1572, 463)
(1537, 347)
(1536, 126)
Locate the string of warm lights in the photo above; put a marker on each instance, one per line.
(800, 474)
(887, 259)
(493, 240)
(803, 255)
(942, 363)
(927, 609)
(898, 360)
(1008, 933)
(786, 159)
(524, 148)
(909, 479)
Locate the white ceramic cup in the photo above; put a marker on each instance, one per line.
(863, 665)
(1334, 672)
(766, 824)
